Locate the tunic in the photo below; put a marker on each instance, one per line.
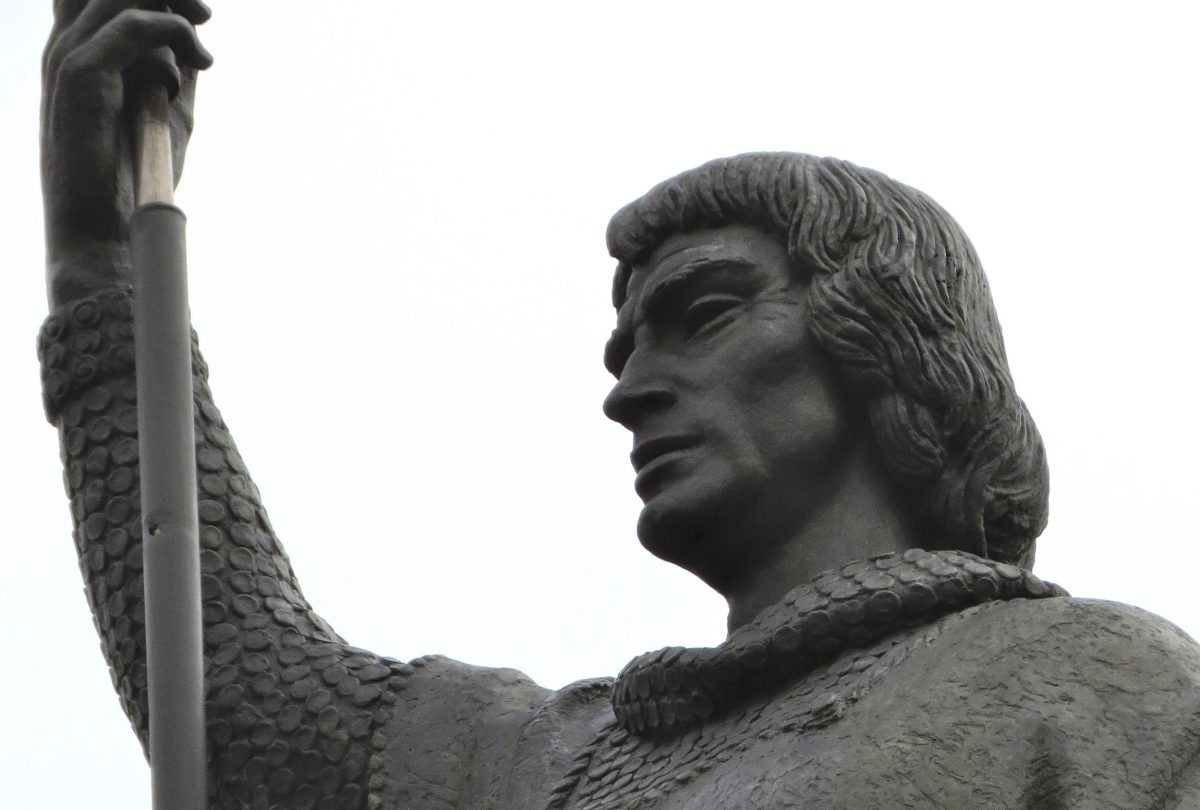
(922, 680)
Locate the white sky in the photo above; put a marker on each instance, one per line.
(399, 277)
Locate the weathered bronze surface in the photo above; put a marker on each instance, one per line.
(825, 431)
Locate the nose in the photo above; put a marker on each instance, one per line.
(640, 392)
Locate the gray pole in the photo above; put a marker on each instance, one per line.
(167, 444)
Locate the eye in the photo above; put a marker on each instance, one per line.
(709, 311)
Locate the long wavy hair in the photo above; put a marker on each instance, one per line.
(898, 298)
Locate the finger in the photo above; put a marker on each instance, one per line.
(187, 86)
(132, 33)
(99, 12)
(65, 11)
(183, 105)
(68, 11)
(78, 20)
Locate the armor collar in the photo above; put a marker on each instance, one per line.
(664, 693)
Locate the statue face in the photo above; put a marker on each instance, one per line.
(736, 418)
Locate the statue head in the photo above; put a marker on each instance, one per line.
(893, 296)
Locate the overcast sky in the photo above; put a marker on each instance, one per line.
(399, 277)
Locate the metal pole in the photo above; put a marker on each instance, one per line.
(166, 439)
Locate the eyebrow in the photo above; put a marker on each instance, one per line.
(620, 344)
(688, 274)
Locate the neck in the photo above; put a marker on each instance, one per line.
(862, 516)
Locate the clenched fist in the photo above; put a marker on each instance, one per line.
(87, 165)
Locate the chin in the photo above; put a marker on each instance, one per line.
(691, 538)
(662, 536)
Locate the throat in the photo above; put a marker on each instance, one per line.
(862, 516)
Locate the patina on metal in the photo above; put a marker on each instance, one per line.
(825, 431)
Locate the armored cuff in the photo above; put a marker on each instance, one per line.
(86, 343)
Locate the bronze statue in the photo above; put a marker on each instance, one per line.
(824, 430)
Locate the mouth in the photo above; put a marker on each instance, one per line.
(649, 450)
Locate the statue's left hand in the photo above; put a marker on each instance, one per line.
(87, 172)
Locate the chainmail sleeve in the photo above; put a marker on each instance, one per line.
(293, 712)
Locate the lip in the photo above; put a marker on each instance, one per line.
(648, 450)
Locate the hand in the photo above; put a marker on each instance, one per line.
(87, 166)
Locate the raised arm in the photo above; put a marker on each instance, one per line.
(290, 706)
(291, 709)
(296, 717)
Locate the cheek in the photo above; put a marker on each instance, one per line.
(797, 399)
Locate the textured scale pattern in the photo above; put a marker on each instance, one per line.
(293, 711)
(623, 769)
(919, 680)
(663, 692)
(836, 636)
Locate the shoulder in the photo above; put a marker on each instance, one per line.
(505, 705)
(1064, 702)
(483, 734)
(1073, 660)
(1103, 698)
(434, 674)
(1069, 630)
